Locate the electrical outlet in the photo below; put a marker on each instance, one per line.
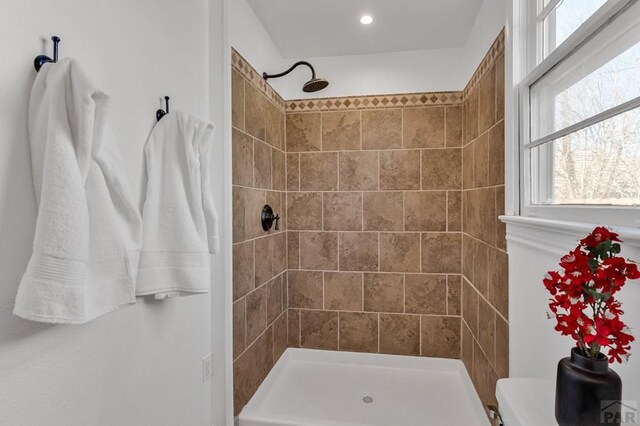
(206, 367)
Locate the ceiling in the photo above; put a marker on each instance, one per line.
(312, 28)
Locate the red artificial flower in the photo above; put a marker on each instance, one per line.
(584, 303)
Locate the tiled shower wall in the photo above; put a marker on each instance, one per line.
(485, 330)
(390, 207)
(259, 258)
(374, 225)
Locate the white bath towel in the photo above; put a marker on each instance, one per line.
(88, 228)
(180, 224)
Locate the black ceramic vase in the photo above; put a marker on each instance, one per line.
(588, 393)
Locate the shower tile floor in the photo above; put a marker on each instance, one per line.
(312, 387)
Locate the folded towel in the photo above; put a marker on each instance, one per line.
(180, 224)
(88, 229)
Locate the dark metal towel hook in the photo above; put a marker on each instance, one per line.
(161, 113)
(40, 60)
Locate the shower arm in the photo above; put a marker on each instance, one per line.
(294, 66)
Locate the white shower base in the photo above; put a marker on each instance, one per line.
(313, 388)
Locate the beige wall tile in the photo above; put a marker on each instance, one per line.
(261, 165)
(243, 275)
(424, 127)
(501, 227)
(343, 291)
(293, 325)
(242, 158)
(425, 294)
(480, 278)
(319, 250)
(274, 126)
(256, 313)
(342, 211)
(239, 327)
(400, 334)
(382, 129)
(502, 347)
(304, 211)
(400, 252)
(487, 100)
(263, 260)
(383, 292)
(275, 298)
(319, 329)
(468, 173)
(293, 250)
(319, 171)
(467, 348)
(278, 170)
(481, 161)
(303, 132)
(400, 169)
(467, 256)
(440, 337)
(341, 130)
(500, 87)
(358, 251)
(293, 172)
(237, 100)
(255, 112)
(247, 205)
(487, 215)
(442, 169)
(425, 211)
(499, 281)
(454, 295)
(486, 329)
(278, 253)
(304, 289)
(484, 378)
(358, 332)
(442, 253)
(470, 307)
(496, 154)
(358, 171)
(471, 116)
(251, 369)
(279, 337)
(454, 211)
(382, 211)
(454, 126)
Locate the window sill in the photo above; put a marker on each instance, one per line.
(556, 236)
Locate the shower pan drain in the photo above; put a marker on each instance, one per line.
(367, 400)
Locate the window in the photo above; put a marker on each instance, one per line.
(580, 113)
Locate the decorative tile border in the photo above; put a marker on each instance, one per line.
(496, 49)
(374, 102)
(247, 71)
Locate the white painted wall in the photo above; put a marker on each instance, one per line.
(399, 72)
(535, 247)
(141, 365)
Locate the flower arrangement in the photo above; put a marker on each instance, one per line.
(584, 302)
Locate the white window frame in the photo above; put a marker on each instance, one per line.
(534, 67)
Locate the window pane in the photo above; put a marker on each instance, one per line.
(602, 74)
(565, 19)
(597, 165)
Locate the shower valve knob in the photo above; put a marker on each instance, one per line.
(268, 217)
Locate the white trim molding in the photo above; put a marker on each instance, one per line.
(557, 237)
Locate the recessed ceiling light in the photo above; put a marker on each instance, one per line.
(366, 20)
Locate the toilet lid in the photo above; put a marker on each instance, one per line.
(526, 402)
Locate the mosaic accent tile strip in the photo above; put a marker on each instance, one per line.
(243, 67)
(496, 49)
(375, 102)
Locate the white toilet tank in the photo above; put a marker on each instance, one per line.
(526, 402)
